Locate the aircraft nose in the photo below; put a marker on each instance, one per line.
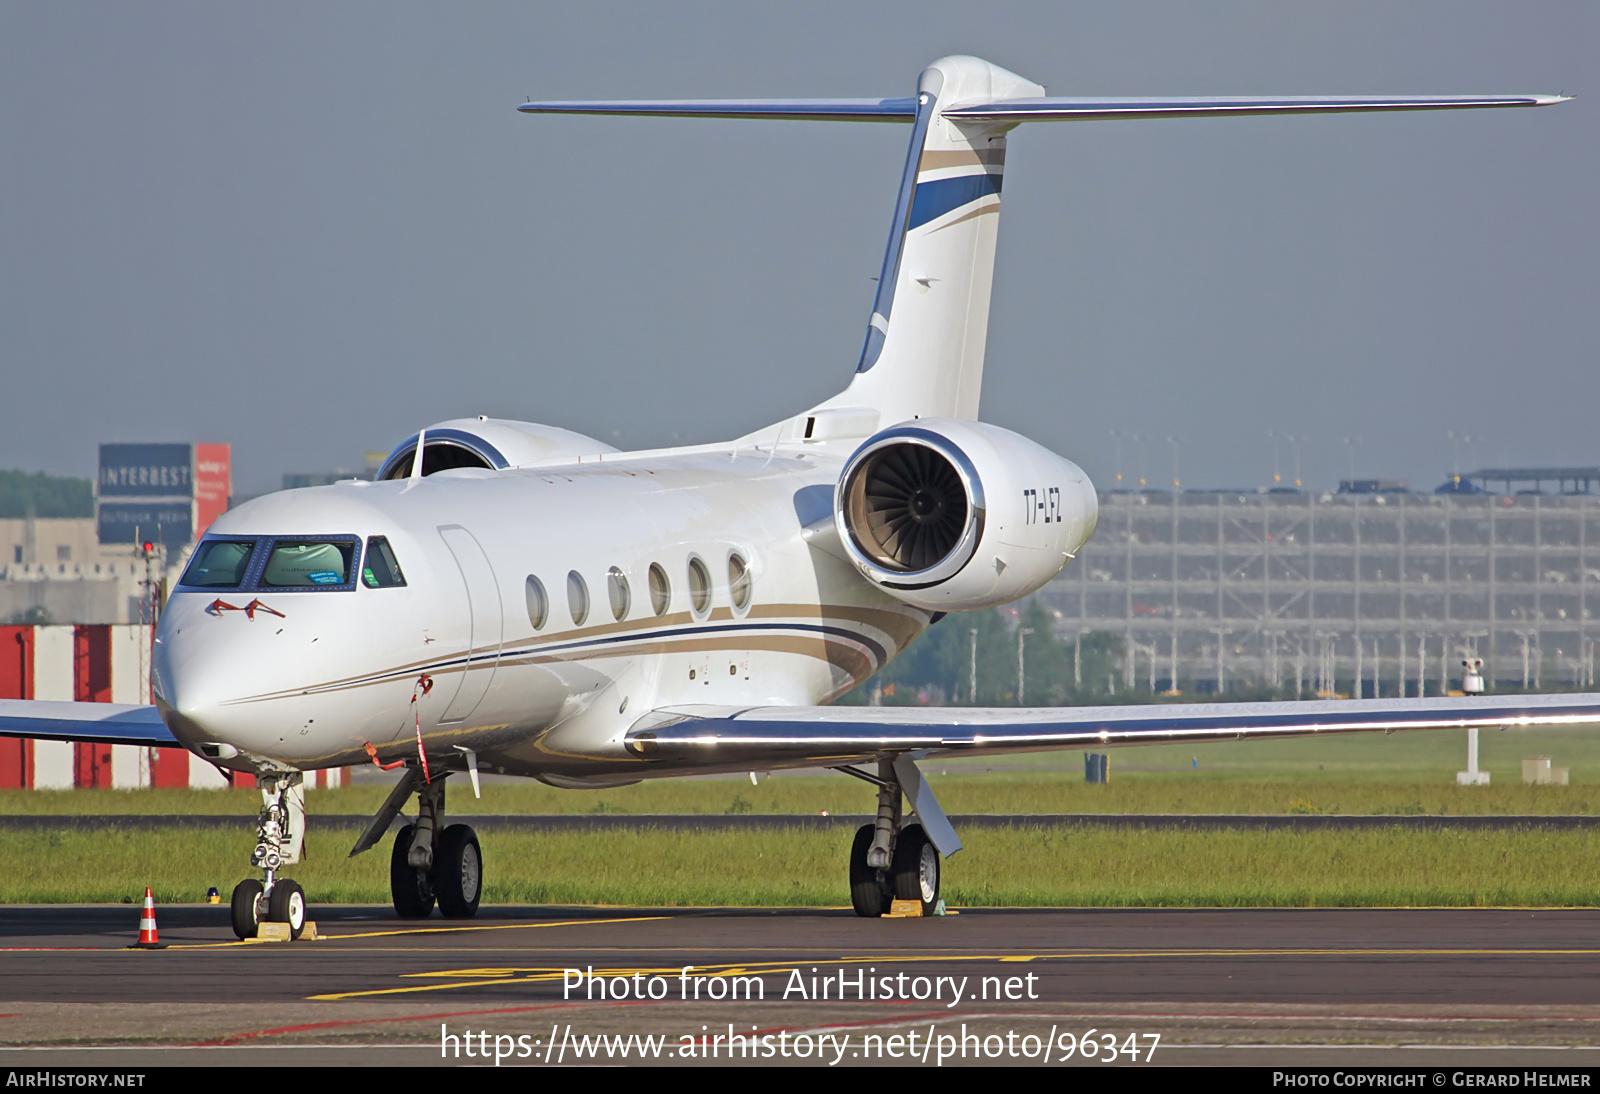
(181, 692)
(195, 675)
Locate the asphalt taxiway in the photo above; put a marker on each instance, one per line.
(1301, 986)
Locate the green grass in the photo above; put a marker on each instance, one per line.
(1371, 773)
(1020, 792)
(1020, 867)
(1401, 774)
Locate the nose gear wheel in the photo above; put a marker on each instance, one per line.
(280, 835)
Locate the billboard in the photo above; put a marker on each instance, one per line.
(161, 493)
(213, 483)
(169, 522)
(146, 471)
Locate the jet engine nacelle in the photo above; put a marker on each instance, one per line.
(952, 515)
(493, 443)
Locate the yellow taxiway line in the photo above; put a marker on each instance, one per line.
(484, 977)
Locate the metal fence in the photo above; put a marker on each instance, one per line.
(1356, 594)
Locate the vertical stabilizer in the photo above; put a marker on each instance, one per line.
(923, 355)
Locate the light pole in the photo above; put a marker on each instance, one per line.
(1022, 634)
(1350, 444)
(972, 677)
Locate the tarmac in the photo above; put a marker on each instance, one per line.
(1434, 988)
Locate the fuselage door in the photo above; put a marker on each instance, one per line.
(482, 596)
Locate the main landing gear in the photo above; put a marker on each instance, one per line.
(434, 862)
(889, 860)
(280, 838)
(430, 862)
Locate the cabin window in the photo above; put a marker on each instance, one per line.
(660, 589)
(738, 582)
(620, 595)
(380, 569)
(699, 586)
(577, 597)
(217, 564)
(538, 602)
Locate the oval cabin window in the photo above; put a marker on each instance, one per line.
(538, 602)
(660, 589)
(738, 582)
(577, 597)
(620, 595)
(699, 586)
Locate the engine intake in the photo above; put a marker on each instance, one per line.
(914, 506)
(951, 515)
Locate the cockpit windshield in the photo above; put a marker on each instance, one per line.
(220, 564)
(299, 564)
(292, 564)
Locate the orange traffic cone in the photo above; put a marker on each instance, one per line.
(147, 925)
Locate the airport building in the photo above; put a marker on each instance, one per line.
(97, 569)
(1369, 591)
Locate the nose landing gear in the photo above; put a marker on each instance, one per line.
(280, 837)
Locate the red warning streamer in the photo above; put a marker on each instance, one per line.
(373, 752)
(218, 606)
(423, 685)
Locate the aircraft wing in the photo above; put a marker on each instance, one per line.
(107, 723)
(756, 735)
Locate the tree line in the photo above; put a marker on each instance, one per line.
(45, 496)
(938, 669)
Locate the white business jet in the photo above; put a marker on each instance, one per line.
(520, 599)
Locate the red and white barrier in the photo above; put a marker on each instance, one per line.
(99, 663)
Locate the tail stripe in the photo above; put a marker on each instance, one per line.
(935, 199)
(939, 159)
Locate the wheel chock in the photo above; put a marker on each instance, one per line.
(309, 932)
(272, 932)
(904, 909)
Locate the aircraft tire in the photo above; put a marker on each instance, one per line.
(411, 889)
(916, 868)
(288, 905)
(868, 893)
(247, 907)
(458, 872)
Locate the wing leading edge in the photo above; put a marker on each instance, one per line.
(729, 735)
(106, 723)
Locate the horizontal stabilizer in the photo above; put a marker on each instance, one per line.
(107, 723)
(1069, 109)
(835, 110)
(1051, 109)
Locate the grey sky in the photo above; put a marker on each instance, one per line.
(308, 229)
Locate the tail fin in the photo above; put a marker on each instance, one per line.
(924, 349)
(925, 340)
